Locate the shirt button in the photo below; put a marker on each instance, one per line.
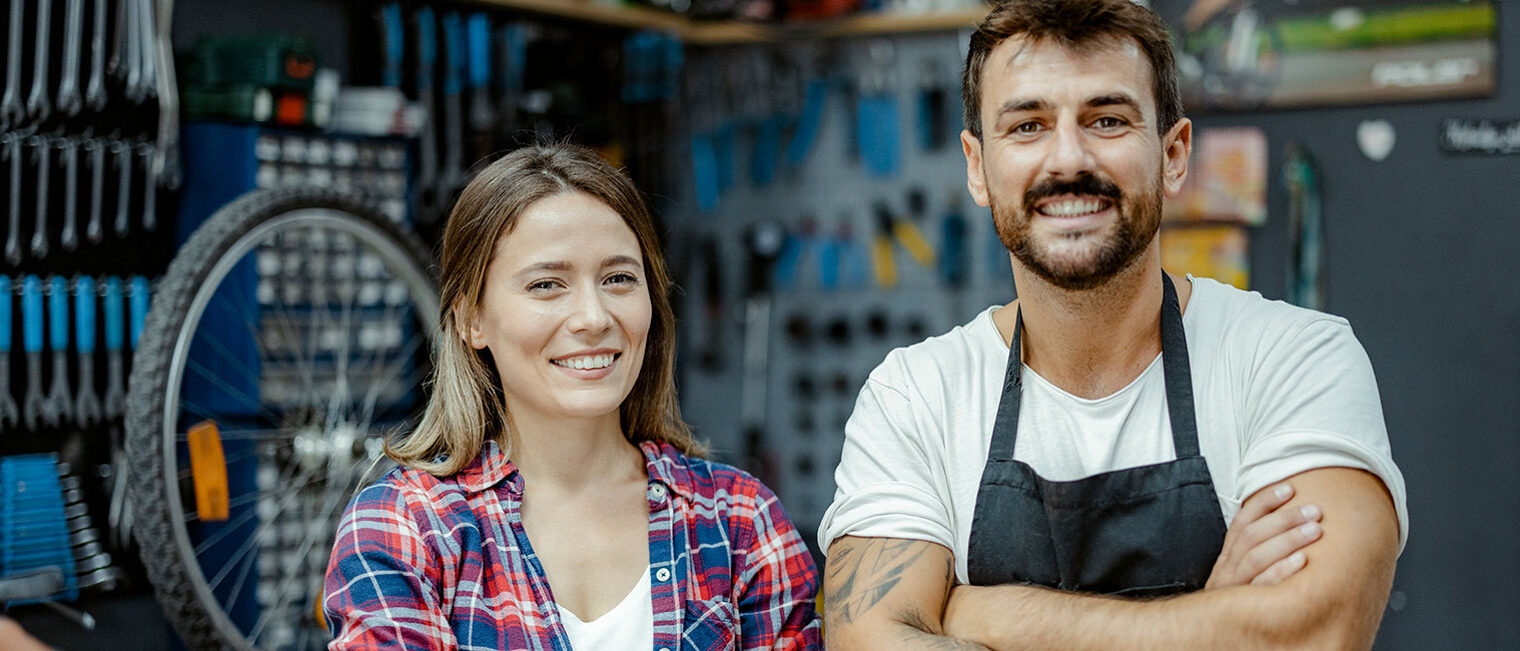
(657, 492)
(662, 574)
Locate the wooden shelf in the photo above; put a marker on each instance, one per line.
(730, 32)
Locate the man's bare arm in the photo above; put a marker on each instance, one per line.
(1334, 602)
(887, 593)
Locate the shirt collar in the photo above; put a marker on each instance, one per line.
(662, 462)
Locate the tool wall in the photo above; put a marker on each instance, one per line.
(823, 219)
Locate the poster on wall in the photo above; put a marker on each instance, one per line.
(1250, 54)
(1227, 178)
(1218, 251)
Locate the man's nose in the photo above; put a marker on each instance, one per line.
(1070, 154)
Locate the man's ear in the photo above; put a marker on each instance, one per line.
(976, 176)
(1176, 147)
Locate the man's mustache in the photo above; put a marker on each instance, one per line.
(1085, 184)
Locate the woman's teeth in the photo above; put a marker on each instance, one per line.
(586, 362)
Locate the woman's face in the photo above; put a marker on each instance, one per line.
(565, 312)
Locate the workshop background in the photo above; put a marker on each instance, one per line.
(802, 157)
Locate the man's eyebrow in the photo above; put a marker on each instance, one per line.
(1114, 99)
(1020, 106)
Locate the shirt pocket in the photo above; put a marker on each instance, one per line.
(711, 625)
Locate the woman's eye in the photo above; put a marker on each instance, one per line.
(622, 278)
(543, 286)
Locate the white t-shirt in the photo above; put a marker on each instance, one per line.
(1277, 390)
(629, 625)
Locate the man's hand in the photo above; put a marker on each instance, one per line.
(1263, 544)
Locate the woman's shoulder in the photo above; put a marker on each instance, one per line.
(410, 491)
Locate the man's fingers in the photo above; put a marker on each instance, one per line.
(1282, 547)
(1276, 523)
(1281, 570)
(1264, 502)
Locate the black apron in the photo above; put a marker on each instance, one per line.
(1147, 531)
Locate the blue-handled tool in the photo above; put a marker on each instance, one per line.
(452, 124)
(86, 404)
(427, 147)
(116, 393)
(59, 402)
(10, 416)
(392, 35)
(33, 412)
(140, 294)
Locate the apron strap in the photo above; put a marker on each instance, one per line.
(1177, 373)
(1005, 428)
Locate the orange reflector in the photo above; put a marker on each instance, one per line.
(208, 469)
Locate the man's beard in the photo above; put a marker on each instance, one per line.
(1129, 236)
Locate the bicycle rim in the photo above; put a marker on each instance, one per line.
(300, 328)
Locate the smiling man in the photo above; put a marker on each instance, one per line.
(1122, 457)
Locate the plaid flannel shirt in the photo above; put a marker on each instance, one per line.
(422, 562)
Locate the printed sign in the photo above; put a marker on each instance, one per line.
(1480, 136)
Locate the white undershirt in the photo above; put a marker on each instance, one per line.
(629, 625)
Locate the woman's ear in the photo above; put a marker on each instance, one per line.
(469, 329)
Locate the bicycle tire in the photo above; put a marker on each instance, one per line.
(161, 366)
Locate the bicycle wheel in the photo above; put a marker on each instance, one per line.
(295, 331)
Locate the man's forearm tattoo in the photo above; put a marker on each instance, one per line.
(862, 574)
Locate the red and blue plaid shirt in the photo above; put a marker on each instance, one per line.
(423, 562)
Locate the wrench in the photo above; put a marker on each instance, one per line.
(116, 393)
(97, 151)
(37, 104)
(123, 153)
(11, 112)
(147, 49)
(70, 147)
(149, 153)
(69, 100)
(9, 415)
(133, 54)
(166, 163)
(86, 405)
(95, 89)
(58, 400)
(33, 412)
(12, 144)
(42, 156)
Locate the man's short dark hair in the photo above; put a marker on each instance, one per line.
(1077, 24)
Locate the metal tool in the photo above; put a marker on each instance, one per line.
(166, 165)
(97, 151)
(427, 148)
(58, 404)
(11, 111)
(86, 405)
(147, 42)
(33, 412)
(123, 152)
(453, 107)
(95, 90)
(69, 98)
(10, 416)
(116, 392)
(129, 15)
(38, 106)
(42, 156)
(12, 143)
(69, 146)
(149, 153)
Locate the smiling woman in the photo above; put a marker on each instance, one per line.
(552, 452)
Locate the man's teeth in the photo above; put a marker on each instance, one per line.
(587, 362)
(1072, 207)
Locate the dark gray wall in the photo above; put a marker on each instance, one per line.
(1417, 247)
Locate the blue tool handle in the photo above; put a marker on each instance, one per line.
(390, 23)
(139, 306)
(58, 313)
(114, 321)
(516, 39)
(454, 47)
(5, 313)
(31, 314)
(479, 28)
(84, 315)
(427, 49)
